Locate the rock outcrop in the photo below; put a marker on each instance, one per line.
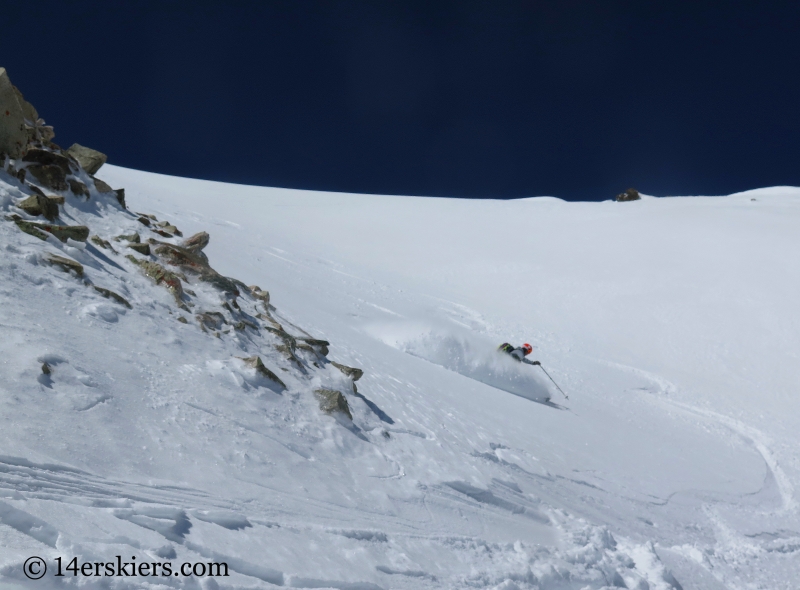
(160, 275)
(13, 136)
(89, 159)
(52, 183)
(20, 124)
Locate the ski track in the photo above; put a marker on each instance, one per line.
(732, 546)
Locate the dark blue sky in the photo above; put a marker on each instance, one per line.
(473, 99)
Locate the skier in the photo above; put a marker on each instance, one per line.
(519, 354)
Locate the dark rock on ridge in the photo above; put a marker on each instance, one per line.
(629, 195)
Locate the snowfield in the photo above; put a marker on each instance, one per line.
(671, 323)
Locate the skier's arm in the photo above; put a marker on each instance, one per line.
(527, 362)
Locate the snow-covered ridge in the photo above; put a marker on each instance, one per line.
(672, 465)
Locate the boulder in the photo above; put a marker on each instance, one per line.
(13, 135)
(331, 401)
(629, 195)
(102, 243)
(197, 242)
(140, 248)
(256, 363)
(89, 159)
(134, 237)
(78, 233)
(45, 157)
(109, 294)
(120, 192)
(50, 176)
(356, 374)
(78, 188)
(315, 345)
(37, 204)
(259, 293)
(66, 264)
(102, 187)
(30, 228)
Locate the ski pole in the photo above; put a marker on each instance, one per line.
(554, 382)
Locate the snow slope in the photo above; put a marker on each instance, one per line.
(670, 322)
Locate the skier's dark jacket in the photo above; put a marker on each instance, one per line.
(518, 354)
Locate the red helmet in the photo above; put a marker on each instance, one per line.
(527, 348)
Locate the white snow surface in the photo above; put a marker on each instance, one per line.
(671, 323)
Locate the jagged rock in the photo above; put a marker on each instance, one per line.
(89, 159)
(331, 401)
(44, 133)
(140, 248)
(159, 274)
(256, 363)
(21, 173)
(50, 176)
(166, 228)
(259, 293)
(120, 192)
(267, 317)
(287, 338)
(46, 369)
(144, 221)
(183, 320)
(171, 229)
(316, 345)
(66, 264)
(356, 374)
(196, 262)
(30, 228)
(225, 284)
(78, 188)
(57, 199)
(37, 204)
(78, 233)
(34, 126)
(212, 320)
(102, 187)
(102, 243)
(197, 242)
(134, 237)
(242, 324)
(42, 157)
(13, 135)
(629, 195)
(109, 294)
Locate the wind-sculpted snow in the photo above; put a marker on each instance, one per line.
(164, 440)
